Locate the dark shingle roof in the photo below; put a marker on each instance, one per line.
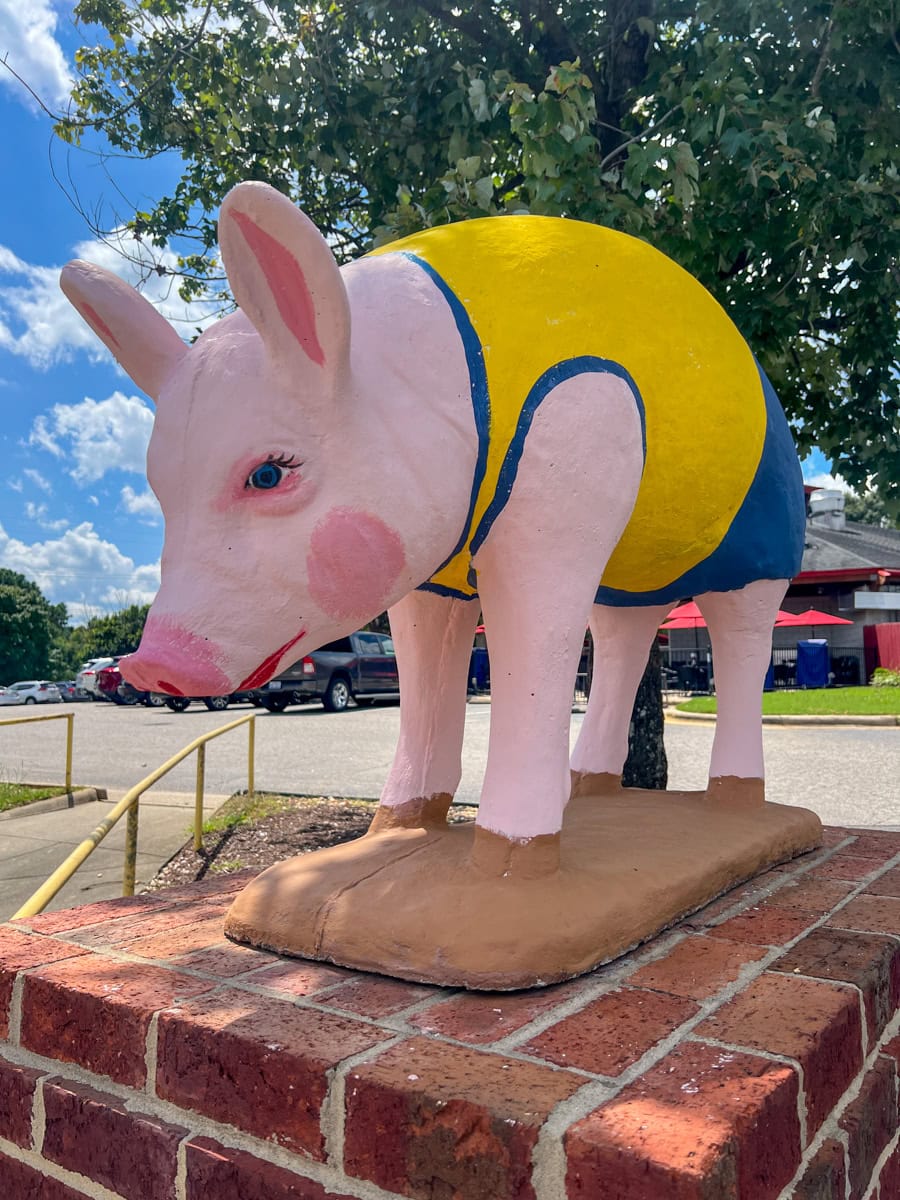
(855, 545)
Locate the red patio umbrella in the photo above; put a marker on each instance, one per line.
(689, 616)
(812, 617)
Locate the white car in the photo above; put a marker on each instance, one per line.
(7, 696)
(36, 691)
(86, 679)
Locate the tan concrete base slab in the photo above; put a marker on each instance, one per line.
(418, 904)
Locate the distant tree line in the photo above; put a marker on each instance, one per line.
(37, 641)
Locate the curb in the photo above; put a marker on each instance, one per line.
(834, 719)
(54, 803)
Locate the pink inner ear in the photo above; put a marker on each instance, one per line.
(287, 284)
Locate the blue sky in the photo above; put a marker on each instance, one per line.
(75, 512)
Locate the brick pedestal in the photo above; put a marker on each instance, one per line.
(749, 1054)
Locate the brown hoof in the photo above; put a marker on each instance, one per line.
(594, 783)
(733, 789)
(430, 813)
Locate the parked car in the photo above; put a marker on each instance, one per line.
(131, 695)
(86, 679)
(36, 691)
(361, 667)
(213, 703)
(68, 690)
(8, 696)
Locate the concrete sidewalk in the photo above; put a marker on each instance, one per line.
(33, 845)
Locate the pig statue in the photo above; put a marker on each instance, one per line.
(537, 419)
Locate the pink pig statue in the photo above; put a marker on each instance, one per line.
(543, 420)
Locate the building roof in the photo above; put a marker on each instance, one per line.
(856, 546)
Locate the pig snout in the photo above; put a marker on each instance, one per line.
(176, 662)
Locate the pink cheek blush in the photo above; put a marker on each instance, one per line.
(353, 560)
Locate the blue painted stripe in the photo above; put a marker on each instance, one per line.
(551, 378)
(765, 539)
(441, 589)
(481, 401)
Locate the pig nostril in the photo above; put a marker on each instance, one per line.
(169, 688)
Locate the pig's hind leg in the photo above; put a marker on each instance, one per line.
(622, 640)
(740, 629)
(433, 639)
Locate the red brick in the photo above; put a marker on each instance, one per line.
(217, 1173)
(887, 884)
(889, 1179)
(257, 1063)
(815, 1023)
(703, 1124)
(370, 996)
(226, 960)
(751, 892)
(816, 896)
(20, 951)
(198, 935)
(17, 1086)
(892, 1048)
(825, 1176)
(208, 888)
(612, 1032)
(697, 968)
(482, 1017)
(871, 843)
(844, 865)
(833, 835)
(764, 926)
(870, 962)
(301, 978)
(20, 1182)
(870, 1121)
(142, 925)
(67, 919)
(96, 1012)
(93, 1134)
(427, 1119)
(871, 914)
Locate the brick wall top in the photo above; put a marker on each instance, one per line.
(750, 1053)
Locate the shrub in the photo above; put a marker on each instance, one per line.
(884, 677)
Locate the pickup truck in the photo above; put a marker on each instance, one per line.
(361, 667)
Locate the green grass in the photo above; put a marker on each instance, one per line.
(241, 809)
(15, 795)
(819, 702)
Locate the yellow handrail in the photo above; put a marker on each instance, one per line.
(129, 804)
(67, 717)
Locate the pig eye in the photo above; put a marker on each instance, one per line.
(266, 476)
(269, 474)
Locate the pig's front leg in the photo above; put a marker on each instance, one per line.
(433, 639)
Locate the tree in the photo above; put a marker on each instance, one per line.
(754, 141)
(869, 509)
(32, 630)
(111, 635)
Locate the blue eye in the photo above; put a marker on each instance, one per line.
(267, 475)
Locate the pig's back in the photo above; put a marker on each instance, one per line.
(536, 297)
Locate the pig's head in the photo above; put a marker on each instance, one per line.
(271, 546)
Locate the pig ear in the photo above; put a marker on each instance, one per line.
(283, 276)
(141, 340)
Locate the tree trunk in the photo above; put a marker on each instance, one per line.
(647, 766)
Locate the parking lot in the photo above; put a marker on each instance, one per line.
(848, 775)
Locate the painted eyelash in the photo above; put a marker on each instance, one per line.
(287, 462)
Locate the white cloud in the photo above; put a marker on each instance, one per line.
(28, 44)
(96, 436)
(38, 512)
(828, 481)
(38, 480)
(81, 570)
(38, 323)
(16, 484)
(143, 504)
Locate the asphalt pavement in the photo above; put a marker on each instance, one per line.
(849, 775)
